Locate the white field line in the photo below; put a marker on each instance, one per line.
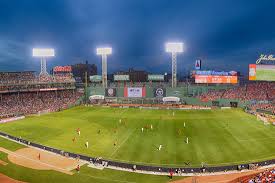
(257, 139)
(123, 142)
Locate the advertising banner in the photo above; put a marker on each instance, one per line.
(159, 92)
(110, 92)
(198, 65)
(96, 78)
(216, 73)
(155, 77)
(62, 69)
(216, 79)
(252, 71)
(121, 78)
(262, 72)
(134, 92)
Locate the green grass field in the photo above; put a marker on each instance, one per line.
(216, 137)
(86, 174)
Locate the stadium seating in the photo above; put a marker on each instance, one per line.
(267, 176)
(29, 77)
(250, 91)
(16, 77)
(34, 102)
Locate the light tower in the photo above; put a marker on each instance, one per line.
(104, 52)
(43, 53)
(174, 48)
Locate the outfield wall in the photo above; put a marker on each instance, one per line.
(183, 93)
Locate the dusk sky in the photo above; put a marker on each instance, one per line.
(226, 35)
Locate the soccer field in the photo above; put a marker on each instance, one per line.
(216, 137)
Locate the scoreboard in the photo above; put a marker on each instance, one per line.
(216, 79)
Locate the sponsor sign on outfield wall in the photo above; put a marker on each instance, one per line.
(121, 78)
(96, 78)
(216, 79)
(155, 77)
(134, 92)
(159, 92)
(110, 92)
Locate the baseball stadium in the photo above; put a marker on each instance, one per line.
(71, 122)
(204, 129)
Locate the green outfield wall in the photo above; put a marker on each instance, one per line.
(185, 93)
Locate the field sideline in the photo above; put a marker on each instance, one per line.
(86, 174)
(216, 137)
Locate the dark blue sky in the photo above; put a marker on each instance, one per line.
(226, 35)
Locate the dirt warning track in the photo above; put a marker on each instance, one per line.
(42, 160)
(6, 179)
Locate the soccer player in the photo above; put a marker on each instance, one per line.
(78, 131)
(151, 127)
(160, 146)
(87, 144)
(187, 140)
(142, 129)
(78, 168)
(171, 174)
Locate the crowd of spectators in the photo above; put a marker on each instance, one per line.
(260, 91)
(211, 95)
(267, 107)
(35, 102)
(16, 77)
(65, 77)
(28, 77)
(267, 176)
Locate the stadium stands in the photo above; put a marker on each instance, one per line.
(35, 102)
(65, 77)
(28, 77)
(267, 107)
(16, 77)
(268, 176)
(251, 91)
(25, 93)
(211, 95)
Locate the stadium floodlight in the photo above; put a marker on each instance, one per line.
(104, 52)
(43, 53)
(174, 48)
